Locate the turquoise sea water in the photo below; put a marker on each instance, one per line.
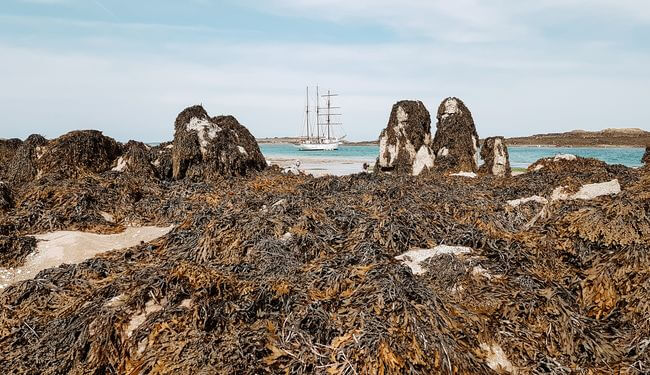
(519, 156)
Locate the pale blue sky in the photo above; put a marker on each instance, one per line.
(128, 67)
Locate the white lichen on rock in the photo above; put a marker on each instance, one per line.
(242, 150)
(451, 107)
(205, 129)
(121, 165)
(423, 159)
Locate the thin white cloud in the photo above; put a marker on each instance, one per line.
(138, 95)
(460, 20)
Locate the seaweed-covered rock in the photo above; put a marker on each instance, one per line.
(646, 156)
(6, 198)
(405, 143)
(205, 147)
(22, 167)
(162, 160)
(495, 154)
(456, 141)
(8, 148)
(79, 152)
(136, 160)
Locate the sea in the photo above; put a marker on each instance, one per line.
(520, 156)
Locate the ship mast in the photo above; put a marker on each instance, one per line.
(308, 130)
(329, 115)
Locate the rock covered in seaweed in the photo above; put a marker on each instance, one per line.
(137, 160)
(405, 143)
(78, 152)
(8, 148)
(646, 156)
(495, 154)
(456, 141)
(6, 197)
(162, 160)
(207, 147)
(22, 167)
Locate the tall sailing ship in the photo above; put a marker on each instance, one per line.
(319, 135)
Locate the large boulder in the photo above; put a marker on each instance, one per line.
(136, 160)
(205, 147)
(646, 157)
(405, 143)
(22, 168)
(8, 149)
(495, 156)
(78, 152)
(456, 141)
(6, 198)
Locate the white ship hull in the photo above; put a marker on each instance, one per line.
(325, 146)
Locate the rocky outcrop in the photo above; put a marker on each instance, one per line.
(205, 147)
(646, 156)
(405, 143)
(6, 198)
(136, 160)
(456, 142)
(78, 152)
(495, 156)
(22, 167)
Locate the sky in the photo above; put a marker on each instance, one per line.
(129, 67)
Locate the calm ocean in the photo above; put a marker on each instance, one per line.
(519, 156)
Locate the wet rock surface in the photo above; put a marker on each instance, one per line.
(208, 148)
(405, 143)
(456, 142)
(494, 153)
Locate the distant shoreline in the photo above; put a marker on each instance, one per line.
(356, 144)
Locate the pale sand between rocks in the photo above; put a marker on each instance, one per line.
(68, 247)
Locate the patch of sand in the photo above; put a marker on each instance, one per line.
(414, 258)
(68, 247)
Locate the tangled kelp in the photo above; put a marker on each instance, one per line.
(292, 274)
(646, 156)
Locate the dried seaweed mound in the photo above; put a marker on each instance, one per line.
(8, 148)
(494, 153)
(206, 148)
(6, 197)
(136, 160)
(23, 167)
(405, 143)
(78, 152)
(646, 157)
(14, 250)
(367, 274)
(456, 142)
